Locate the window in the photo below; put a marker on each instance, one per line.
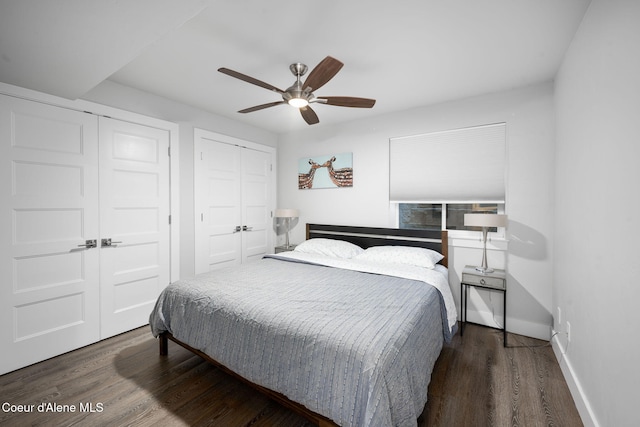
(420, 216)
(429, 215)
(435, 178)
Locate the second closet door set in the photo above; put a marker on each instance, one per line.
(234, 197)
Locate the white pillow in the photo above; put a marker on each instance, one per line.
(329, 247)
(420, 257)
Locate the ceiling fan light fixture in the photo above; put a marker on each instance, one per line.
(298, 102)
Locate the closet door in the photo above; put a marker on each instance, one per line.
(218, 198)
(134, 215)
(49, 281)
(233, 201)
(256, 213)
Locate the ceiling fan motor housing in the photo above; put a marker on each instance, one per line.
(295, 95)
(296, 92)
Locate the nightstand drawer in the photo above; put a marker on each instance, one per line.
(491, 282)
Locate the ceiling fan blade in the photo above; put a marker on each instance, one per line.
(322, 73)
(249, 79)
(347, 101)
(309, 115)
(261, 107)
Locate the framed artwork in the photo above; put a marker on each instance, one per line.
(330, 171)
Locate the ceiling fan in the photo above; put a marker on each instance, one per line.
(300, 95)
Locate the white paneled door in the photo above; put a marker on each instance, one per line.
(134, 222)
(84, 228)
(256, 213)
(218, 198)
(234, 198)
(49, 289)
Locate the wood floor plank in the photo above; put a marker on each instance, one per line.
(476, 381)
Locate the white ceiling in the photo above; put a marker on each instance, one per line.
(405, 53)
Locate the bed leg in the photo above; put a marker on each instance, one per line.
(164, 344)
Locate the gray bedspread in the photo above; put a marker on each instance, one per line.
(355, 347)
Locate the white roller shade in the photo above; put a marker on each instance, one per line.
(461, 165)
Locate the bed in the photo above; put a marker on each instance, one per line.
(345, 329)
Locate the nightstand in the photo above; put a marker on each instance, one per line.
(494, 281)
(284, 248)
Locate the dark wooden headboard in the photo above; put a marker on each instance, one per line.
(373, 236)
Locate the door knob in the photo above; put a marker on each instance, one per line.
(92, 243)
(108, 243)
(245, 228)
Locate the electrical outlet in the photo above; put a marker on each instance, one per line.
(559, 319)
(568, 332)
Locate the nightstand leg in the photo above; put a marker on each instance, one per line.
(463, 309)
(504, 310)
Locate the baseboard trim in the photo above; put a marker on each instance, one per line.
(514, 325)
(582, 404)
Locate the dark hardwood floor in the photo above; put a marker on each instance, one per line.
(479, 382)
(123, 381)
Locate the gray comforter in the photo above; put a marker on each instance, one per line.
(355, 347)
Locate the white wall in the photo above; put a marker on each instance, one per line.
(597, 213)
(528, 113)
(188, 118)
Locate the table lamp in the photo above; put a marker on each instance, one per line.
(485, 221)
(287, 214)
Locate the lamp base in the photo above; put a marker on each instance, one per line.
(485, 270)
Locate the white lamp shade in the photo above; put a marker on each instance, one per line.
(485, 220)
(286, 213)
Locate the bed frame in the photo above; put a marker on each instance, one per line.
(361, 236)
